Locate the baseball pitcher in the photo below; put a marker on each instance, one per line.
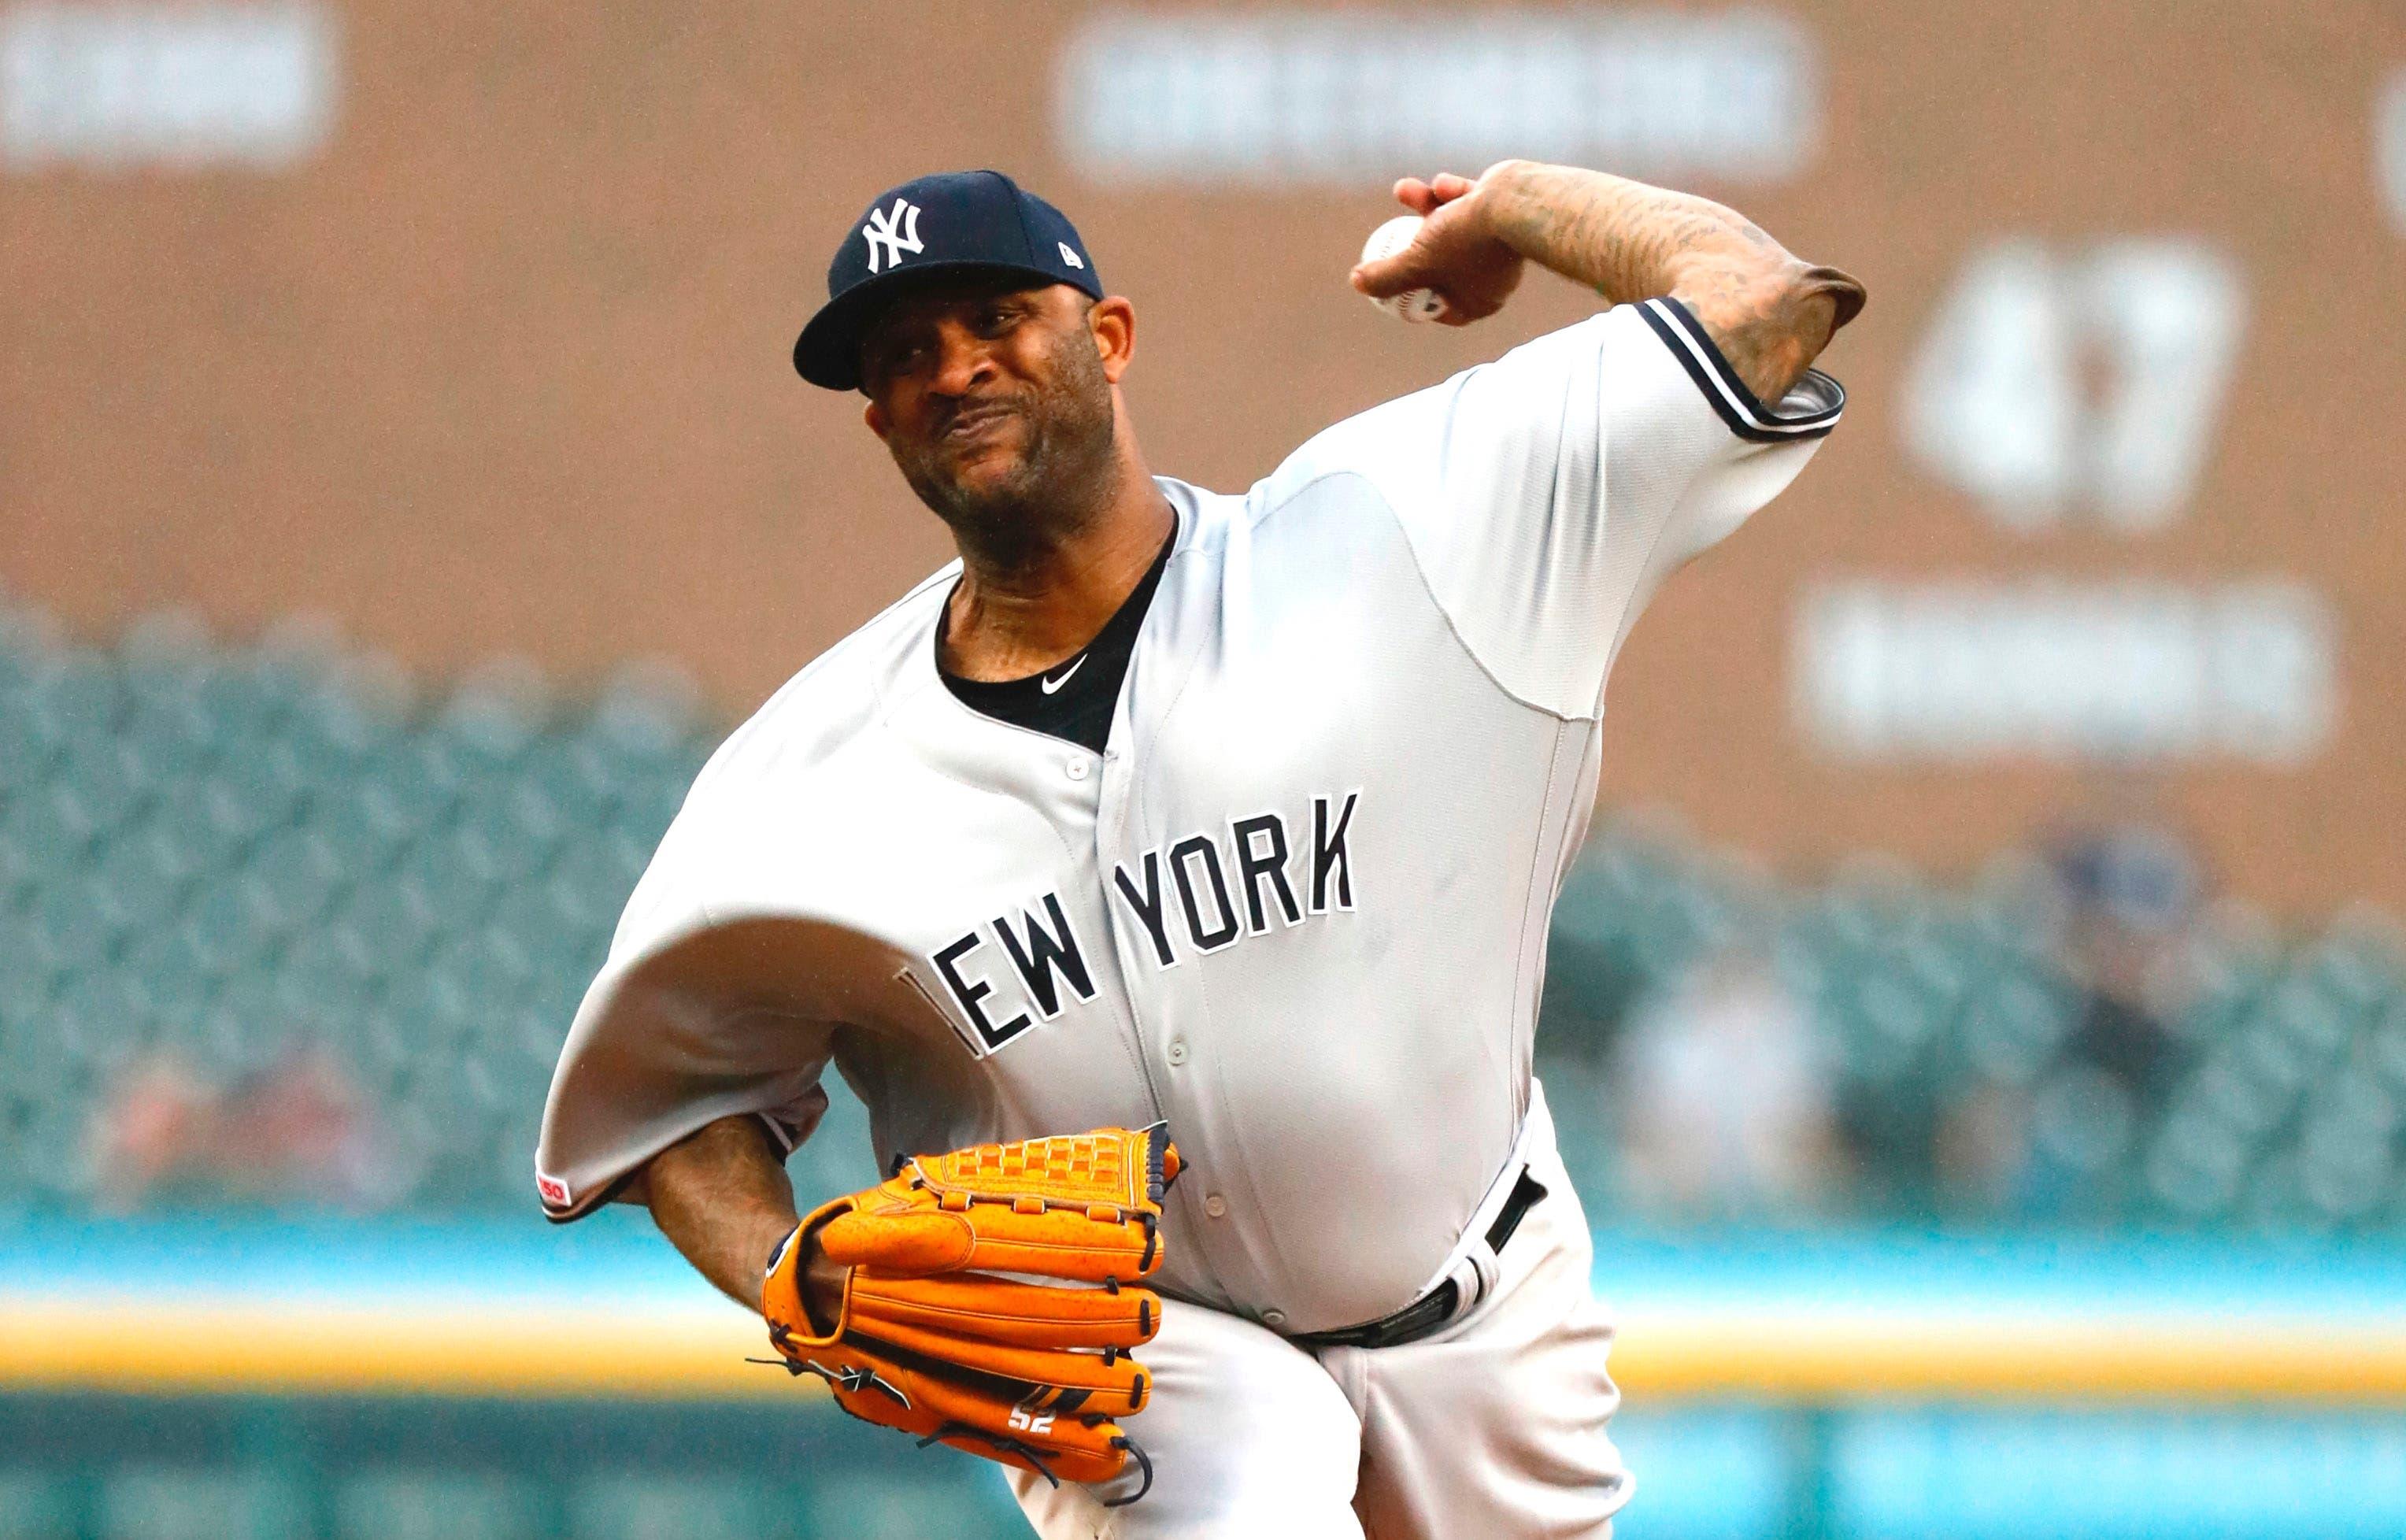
(1170, 876)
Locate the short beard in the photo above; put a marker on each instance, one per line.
(1064, 477)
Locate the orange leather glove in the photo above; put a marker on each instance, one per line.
(929, 1341)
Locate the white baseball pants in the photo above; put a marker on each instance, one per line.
(1492, 1429)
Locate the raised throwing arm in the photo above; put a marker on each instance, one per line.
(1770, 313)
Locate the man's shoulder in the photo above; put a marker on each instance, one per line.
(1377, 451)
(835, 698)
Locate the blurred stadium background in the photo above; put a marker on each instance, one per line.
(1978, 1024)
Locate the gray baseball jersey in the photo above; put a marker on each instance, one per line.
(1298, 907)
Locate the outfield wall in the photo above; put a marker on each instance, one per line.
(499, 1307)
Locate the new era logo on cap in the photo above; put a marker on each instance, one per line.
(973, 223)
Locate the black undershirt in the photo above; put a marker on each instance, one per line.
(1085, 690)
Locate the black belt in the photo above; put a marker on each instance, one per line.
(1425, 1315)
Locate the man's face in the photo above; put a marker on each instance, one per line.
(994, 402)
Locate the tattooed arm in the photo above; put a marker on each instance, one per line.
(1770, 313)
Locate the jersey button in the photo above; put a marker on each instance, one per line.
(1215, 1205)
(1273, 1318)
(1176, 1051)
(1077, 769)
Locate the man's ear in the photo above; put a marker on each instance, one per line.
(874, 416)
(1112, 322)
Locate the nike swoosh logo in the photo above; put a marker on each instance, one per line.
(1049, 686)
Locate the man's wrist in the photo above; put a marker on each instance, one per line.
(1490, 193)
(1523, 204)
(776, 1253)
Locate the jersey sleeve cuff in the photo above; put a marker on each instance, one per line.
(560, 1208)
(1809, 410)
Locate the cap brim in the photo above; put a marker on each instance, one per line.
(827, 353)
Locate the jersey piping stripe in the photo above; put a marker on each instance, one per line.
(1747, 416)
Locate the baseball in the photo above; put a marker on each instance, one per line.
(1416, 305)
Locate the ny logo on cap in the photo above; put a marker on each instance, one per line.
(896, 229)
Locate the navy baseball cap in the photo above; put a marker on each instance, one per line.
(962, 222)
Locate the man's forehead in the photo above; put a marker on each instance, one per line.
(939, 294)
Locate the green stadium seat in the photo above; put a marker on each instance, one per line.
(148, 872)
(2346, 1174)
(41, 1076)
(431, 1013)
(102, 1016)
(512, 1142)
(98, 787)
(166, 1503)
(35, 1504)
(181, 959)
(671, 1508)
(396, 802)
(234, 921)
(27, 757)
(2383, 1044)
(75, 694)
(54, 1168)
(510, 836)
(2083, 1120)
(884, 1505)
(48, 834)
(596, 871)
(396, 919)
(2012, 1027)
(2232, 1093)
(59, 931)
(457, 875)
(335, 960)
(223, 811)
(2196, 1171)
(298, 875)
(438, 1506)
(245, 708)
(2314, 1024)
(556, 773)
(2356, 966)
(25, 991)
(167, 741)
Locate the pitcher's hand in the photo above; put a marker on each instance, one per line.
(1454, 254)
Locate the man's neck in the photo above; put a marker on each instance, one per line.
(1010, 620)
